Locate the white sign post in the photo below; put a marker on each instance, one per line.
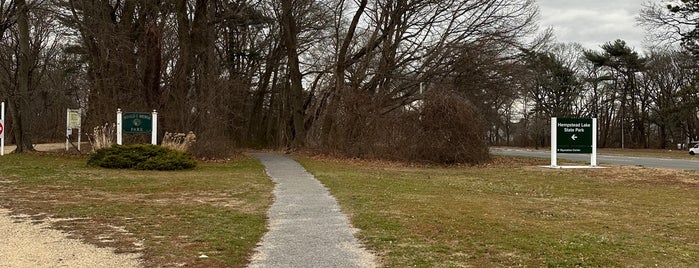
(119, 126)
(154, 130)
(593, 157)
(2, 129)
(554, 142)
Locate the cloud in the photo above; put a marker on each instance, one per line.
(593, 23)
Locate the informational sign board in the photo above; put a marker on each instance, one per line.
(574, 135)
(74, 118)
(137, 122)
(73, 121)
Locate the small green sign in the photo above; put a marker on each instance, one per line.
(137, 122)
(574, 135)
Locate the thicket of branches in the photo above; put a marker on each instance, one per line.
(412, 80)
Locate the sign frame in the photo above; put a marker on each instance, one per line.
(574, 127)
(153, 127)
(73, 120)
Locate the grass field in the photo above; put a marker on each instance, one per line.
(218, 209)
(512, 213)
(506, 213)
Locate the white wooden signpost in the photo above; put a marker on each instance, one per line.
(2, 129)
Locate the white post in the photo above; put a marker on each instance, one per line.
(67, 126)
(554, 142)
(80, 127)
(593, 157)
(2, 123)
(118, 126)
(154, 129)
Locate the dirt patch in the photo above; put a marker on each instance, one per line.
(651, 175)
(28, 242)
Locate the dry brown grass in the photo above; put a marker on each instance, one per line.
(649, 175)
(102, 136)
(170, 217)
(512, 212)
(179, 141)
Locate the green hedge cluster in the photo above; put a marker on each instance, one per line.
(141, 156)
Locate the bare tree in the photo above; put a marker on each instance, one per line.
(22, 114)
(7, 15)
(677, 20)
(673, 104)
(405, 46)
(47, 94)
(290, 36)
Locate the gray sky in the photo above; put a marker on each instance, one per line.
(593, 22)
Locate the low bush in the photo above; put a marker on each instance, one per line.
(141, 156)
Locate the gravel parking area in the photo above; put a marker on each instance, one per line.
(26, 244)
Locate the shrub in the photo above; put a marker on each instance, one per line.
(141, 156)
(450, 130)
(444, 128)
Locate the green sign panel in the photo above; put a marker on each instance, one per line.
(137, 122)
(574, 135)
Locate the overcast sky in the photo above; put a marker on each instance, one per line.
(593, 22)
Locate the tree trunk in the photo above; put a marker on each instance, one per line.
(152, 58)
(290, 38)
(22, 112)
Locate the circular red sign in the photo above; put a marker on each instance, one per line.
(2, 128)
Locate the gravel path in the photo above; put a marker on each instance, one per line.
(306, 226)
(24, 244)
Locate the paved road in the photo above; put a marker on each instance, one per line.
(306, 226)
(681, 164)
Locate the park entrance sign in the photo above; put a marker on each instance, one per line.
(574, 136)
(137, 122)
(134, 122)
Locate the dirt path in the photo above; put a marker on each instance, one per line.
(24, 244)
(43, 147)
